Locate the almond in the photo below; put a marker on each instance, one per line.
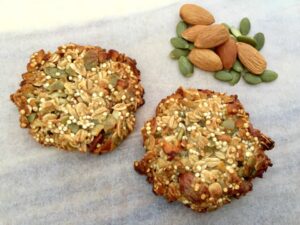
(191, 33)
(227, 53)
(194, 14)
(205, 59)
(212, 36)
(251, 58)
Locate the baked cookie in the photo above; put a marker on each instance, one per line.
(202, 150)
(79, 98)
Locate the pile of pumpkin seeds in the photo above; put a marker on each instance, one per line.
(182, 49)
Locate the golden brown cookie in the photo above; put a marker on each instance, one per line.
(79, 98)
(202, 150)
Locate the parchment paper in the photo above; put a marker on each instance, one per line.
(41, 185)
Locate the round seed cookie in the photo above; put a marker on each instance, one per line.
(79, 97)
(202, 150)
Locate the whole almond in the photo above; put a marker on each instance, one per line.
(191, 33)
(205, 59)
(194, 14)
(251, 58)
(212, 36)
(227, 53)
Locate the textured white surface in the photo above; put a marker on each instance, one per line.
(45, 186)
(29, 15)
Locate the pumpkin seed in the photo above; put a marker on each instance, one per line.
(191, 46)
(232, 36)
(235, 32)
(237, 66)
(109, 123)
(113, 79)
(54, 72)
(248, 40)
(185, 66)
(70, 71)
(31, 117)
(73, 127)
(236, 76)
(179, 43)
(64, 119)
(180, 133)
(260, 39)
(228, 124)
(251, 79)
(181, 26)
(57, 85)
(223, 75)
(90, 59)
(176, 53)
(245, 26)
(226, 25)
(268, 76)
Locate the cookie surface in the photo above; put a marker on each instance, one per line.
(79, 98)
(202, 150)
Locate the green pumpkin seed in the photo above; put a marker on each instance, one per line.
(181, 26)
(191, 46)
(179, 43)
(64, 119)
(260, 39)
(57, 85)
(73, 127)
(232, 36)
(245, 26)
(185, 66)
(31, 117)
(113, 79)
(180, 134)
(228, 124)
(54, 72)
(268, 76)
(236, 76)
(235, 32)
(226, 25)
(109, 123)
(248, 40)
(251, 79)
(237, 66)
(90, 59)
(70, 71)
(176, 53)
(223, 75)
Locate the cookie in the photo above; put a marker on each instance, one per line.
(79, 98)
(202, 150)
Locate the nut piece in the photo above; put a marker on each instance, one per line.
(215, 190)
(205, 59)
(251, 58)
(194, 14)
(191, 33)
(227, 53)
(212, 36)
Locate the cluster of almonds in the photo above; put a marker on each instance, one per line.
(219, 48)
